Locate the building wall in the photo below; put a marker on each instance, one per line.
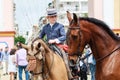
(6, 39)
(102, 10)
(1, 14)
(6, 24)
(8, 15)
(108, 12)
(95, 9)
(117, 14)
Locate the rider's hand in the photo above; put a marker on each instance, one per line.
(52, 41)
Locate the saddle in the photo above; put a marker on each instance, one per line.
(57, 48)
(31, 63)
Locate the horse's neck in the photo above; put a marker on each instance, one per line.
(102, 44)
(49, 58)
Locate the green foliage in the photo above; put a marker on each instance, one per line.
(84, 15)
(19, 39)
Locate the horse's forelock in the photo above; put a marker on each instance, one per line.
(40, 43)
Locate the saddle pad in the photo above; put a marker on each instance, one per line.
(63, 46)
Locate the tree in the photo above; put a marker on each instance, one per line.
(20, 39)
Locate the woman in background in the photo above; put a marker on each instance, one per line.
(12, 64)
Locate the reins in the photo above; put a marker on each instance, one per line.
(107, 55)
(79, 58)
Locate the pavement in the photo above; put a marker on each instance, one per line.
(7, 77)
(89, 77)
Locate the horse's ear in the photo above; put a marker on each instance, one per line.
(69, 16)
(39, 45)
(75, 19)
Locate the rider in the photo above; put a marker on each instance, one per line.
(55, 32)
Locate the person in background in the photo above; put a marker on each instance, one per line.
(21, 60)
(91, 62)
(92, 66)
(12, 64)
(83, 70)
(5, 60)
(1, 56)
(1, 66)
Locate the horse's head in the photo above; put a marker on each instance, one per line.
(36, 58)
(76, 40)
(37, 49)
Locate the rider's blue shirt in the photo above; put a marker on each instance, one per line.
(55, 32)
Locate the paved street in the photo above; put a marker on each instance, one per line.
(7, 77)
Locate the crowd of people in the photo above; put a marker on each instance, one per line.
(15, 59)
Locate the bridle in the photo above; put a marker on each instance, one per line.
(74, 28)
(39, 60)
(45, 75)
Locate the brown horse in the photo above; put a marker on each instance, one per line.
(50, 65)
(104, 43)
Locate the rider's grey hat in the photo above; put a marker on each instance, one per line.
(51, 12)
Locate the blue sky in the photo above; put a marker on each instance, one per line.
(28, 13)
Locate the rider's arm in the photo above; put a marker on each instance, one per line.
(62, 37)
(42, 33)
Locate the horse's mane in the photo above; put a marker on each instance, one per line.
(102, 25)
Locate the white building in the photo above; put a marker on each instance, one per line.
(100, 9)
(7, 32)
(80, 7)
